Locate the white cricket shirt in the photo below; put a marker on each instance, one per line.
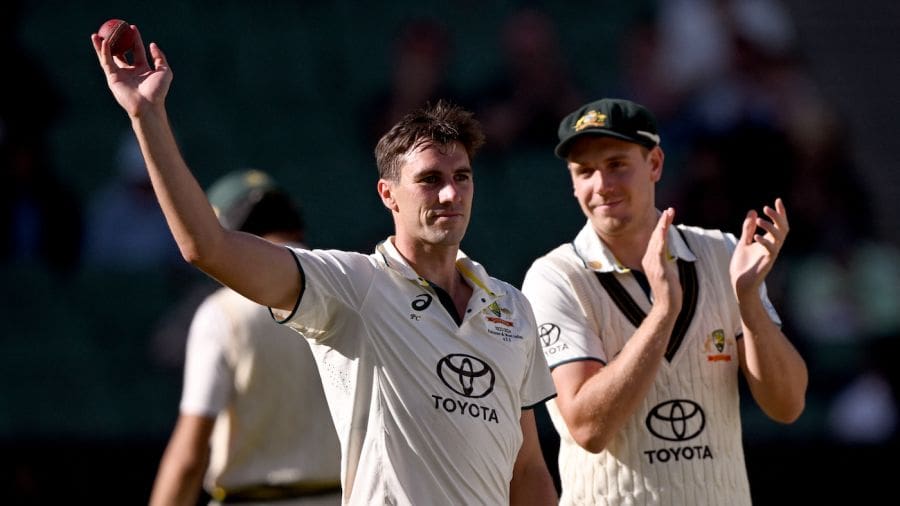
(427, 411)
(261, 384)
(683, 444)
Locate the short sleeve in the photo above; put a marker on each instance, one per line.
(208, 382)
(537, 385)
(334, 283)
(565, 332)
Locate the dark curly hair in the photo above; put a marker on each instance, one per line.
(441, 123)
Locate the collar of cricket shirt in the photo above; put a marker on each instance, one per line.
(598, 257)
(470, 270)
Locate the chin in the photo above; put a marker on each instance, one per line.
(445, 237)
(607, 224)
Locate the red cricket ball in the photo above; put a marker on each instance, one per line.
(118, 34)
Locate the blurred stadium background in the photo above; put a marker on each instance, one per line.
(757, 98)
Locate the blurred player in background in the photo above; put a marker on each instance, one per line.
(645, 326)
(430, 366)
(253, 415)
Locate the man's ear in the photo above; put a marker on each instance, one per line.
(656, 157)
(385, 191)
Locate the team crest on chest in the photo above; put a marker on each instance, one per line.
(499, 321)
(717, 347)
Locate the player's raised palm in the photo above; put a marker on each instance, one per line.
(135, 85)
(659, 267)
(755, 254)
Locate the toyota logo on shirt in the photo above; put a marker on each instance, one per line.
(676, 420)
(466, 375)
(549, 334)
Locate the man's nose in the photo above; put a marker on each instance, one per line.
(600, 182)
(449, 193)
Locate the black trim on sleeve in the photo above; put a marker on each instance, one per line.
(299, 295)
(536, 404)
(582, 359)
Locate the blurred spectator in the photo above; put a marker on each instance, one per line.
(865, 412)
(126, 228)
(419, 65)
(711, 50)
(844, 285)
(735, 80)
(40, 217)
(521, 106)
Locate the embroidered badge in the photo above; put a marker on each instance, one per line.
(715, 346)
(590, 119)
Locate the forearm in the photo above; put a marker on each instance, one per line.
(604, 403)
(775, 371)
(178, 481)
(225, 255)
(531, 482)
(190, 217)
(532, 486)
(177, 488)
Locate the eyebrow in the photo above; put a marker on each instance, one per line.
(617, 155)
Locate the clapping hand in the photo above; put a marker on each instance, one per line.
(755, 254)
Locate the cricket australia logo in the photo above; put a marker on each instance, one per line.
(715, 346)
(471, 378)
(500, 322)
(590, 119)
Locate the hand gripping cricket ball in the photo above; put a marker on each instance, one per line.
(118, 34)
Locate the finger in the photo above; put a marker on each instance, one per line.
(662, 230)
(767, 243)
(104, 55)
(159, 58)
(95, 41)
(662, 224)
(773, 215)
(748, 228)
(768, 226)
(666, 218)
(778, 215)
(779, 206)
(140, 54)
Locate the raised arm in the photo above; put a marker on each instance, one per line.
(775, 371)
(259, 270)
(596, 400)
